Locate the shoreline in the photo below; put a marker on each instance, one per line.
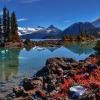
(56, 78)
(51, 43)
(46, 42)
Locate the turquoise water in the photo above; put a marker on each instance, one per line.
(22, 62)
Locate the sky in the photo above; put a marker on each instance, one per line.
(60, 13)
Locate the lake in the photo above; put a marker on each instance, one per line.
(22, 62)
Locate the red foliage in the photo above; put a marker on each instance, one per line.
(90, 80)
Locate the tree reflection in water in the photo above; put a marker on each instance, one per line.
(9, 63)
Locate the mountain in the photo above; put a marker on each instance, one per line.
(53, 32)
(52, 29)
(96, 23)
(25, 31)
(78, 28)
(39, 32)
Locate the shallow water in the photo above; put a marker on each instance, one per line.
(21, 62)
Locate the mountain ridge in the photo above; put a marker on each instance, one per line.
(54, 32)
(79, 28)
(38, 32)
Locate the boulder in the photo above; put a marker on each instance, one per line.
(76, 91)
(27, 84)
(19, 91)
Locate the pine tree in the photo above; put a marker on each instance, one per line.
(14, 27)
(0, 30)
(6, 23)
(0, 27)
(8, 26)
(1, 34)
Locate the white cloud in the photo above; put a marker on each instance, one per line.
(22, 19)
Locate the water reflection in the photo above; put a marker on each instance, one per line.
(97, 53)
(9, 63)
(27, 61)
(52, 49)
(81, 48)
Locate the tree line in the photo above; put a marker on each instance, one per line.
(8, 27)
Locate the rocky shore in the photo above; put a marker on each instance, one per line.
(61, 79)
(19, 44)
(50, 43)
(30, 43)
(12, 44)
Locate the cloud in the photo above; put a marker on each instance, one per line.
(22, 19)
(29, 1)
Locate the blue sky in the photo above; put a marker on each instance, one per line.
(61, 13)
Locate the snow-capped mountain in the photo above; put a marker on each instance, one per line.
(38, 32)
(53, 32)
(96, 23)
(28, 30)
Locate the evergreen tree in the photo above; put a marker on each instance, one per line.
(1, 34)
(8, 26)
(9, 32)
(0, 30)
(6, 23)
(0, 27)
(14, 27)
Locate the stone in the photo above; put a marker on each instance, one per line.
(27, 84)
(19, 91)
(76, 91)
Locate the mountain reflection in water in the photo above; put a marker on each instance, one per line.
(20, 62)
(81, 48)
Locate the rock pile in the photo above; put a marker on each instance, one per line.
(62, 79)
